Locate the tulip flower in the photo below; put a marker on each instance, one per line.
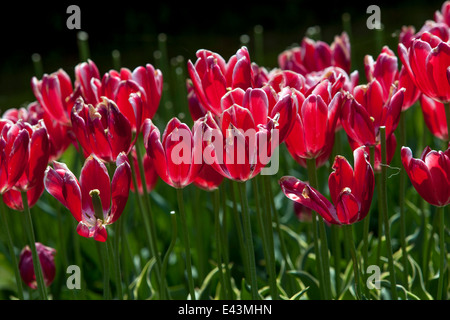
(178, 156)
(56, 95)
(385, 71)
(317, 55)
(365, 112)
(430, 175)
(14, 152)
(351, 191)
(211, 76)
(95, 201)
(144, 81)
(87, 79)
(435, 117)
(427, 61)
(101, 130)
(313, 133)
(60, 135)
(240, 143)
(47, 260)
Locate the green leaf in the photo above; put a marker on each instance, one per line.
(310, 282)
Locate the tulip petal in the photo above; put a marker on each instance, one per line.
(94, 175)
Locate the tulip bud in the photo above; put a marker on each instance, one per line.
(26, 268)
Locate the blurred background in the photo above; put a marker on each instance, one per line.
(133, 29)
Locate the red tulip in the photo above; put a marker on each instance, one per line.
(385, 71)
(47, 260)
(315, 56)
(315, 124)
(87, 78)
(365, 112)
(178, 156)
(435, 117)
(208, 178)
(427, 61)
(241, 142)
(55, 94)
(78, 196)
(14, 153)
(143, 81)
(60, 135)
(351, 191)
(430, 175)
(211, 76)
(437, 28)
(101, 130)
(24, 154)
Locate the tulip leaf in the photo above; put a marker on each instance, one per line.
(309, 281)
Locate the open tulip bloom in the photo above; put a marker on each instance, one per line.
(351, 191)
(430, 175)
(81, 197)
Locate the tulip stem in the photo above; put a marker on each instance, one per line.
(216, 207)
(187, 246)
(240, 231)
(443, 254)
(248, 239)
(312, 176)
(149, 231)
(384, 209)
(266, 232)
(349, 234)
(402, 129)
(366, 227)
(13, 255)
(173, 220)
(32, 241)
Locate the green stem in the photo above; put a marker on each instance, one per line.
(402, 128)
(366, 229)
(349, 233)
(325, 264)
(216, 207)
(240, 232)
(248, 239)
(32, 242)
(187, 245)
(337, 257)
(12, 253)
(384, 209)
(266, 233)
(151, 237)
(224, 241)
(173, 220)
(441, 295)
(117, 254)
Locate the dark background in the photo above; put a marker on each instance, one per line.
(133, 27)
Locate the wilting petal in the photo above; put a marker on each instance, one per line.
(298, 191)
